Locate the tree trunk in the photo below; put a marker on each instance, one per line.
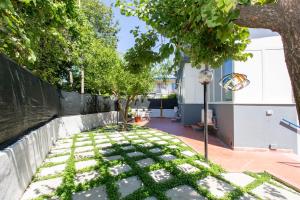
(71, 80)
(82, 81)
(284, 18)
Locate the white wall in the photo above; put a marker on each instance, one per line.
(19, 162)
(267, 72)
(192, 90)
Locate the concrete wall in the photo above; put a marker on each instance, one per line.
(18, 162)
(254, 128)
(190, 113)
(225, 122)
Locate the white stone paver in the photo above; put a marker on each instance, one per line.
(204, 164)
(98, 193)
(83, 149)
(118, 139)
(215, 186)
(188, 153)
(100, 137)
(57, 159)
(126, 148)
(160, 175)
(161, 142)
(175, 140)
(239, 179)
(183, 192)
(172, 147)
(138, 141)
(247, 197)
(168, 157)
(268, 191)
(187, 168)
(56, 169)
(119, 169)
(154, 139)
(60, 151)
(82, 139)
(167, 137)
(145, 162)
(99, 141)
(84, 164)
(106, 151)
(124, 142)
(86, 176)
(83, 143)
(132, 136)
(155, 150)
(82, 155)
(62, 146)
(148, 144)
(111, 158)
(104, 145)
(135, 154)
(39, 188)
(129, 185)
(115, 135)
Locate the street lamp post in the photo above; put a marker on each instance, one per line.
(205, 77)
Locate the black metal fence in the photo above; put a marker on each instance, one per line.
(27, 102)
(155, 103)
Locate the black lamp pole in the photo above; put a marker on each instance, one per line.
(205, 122)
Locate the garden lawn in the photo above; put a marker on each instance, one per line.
(141, 164)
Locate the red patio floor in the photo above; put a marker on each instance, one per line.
(285, 166)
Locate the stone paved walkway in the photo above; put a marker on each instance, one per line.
(285, 166)
(109, 164)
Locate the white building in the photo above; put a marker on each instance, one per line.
(252, 117)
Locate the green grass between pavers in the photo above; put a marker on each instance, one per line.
(150, 187)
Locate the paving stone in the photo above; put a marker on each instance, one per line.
(147, 144)
(167, 137)
(118, 139)
(239, 179)
(100, 137)
(82, 155)
(83, 149)
(57, 159)
(172, 147)
(175, 140)
(187, 168)
(130, 147)
(81, 139)
(129, 185)
(132, 136)
(269, 191)
(86, 176)
(39, 188)
(61, 141)
(98, 193)
(124, 142)
(99, 141)
(188, 153)
(60, 151)
(161, 142)
(84, 164)
(111, 158)
(138, 141)
(184, 192)
(106, 151)
(119, 169)
(160, 175)
(145, 162)
(155, 150)
(62, 146)
(56, 169)
(146, 136)
(158, 134)
(204, 164)
(247, 197)
(104, 145)
(215, 186)
(154, 139)
(168, 157)
(115, 135)
(135, 154)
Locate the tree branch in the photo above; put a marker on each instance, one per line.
(255, 16)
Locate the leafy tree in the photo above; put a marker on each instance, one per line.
(212, 31)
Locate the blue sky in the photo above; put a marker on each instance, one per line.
(126, 24)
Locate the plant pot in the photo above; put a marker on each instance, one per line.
(138, 119)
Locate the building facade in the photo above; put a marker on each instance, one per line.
(254, 117)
